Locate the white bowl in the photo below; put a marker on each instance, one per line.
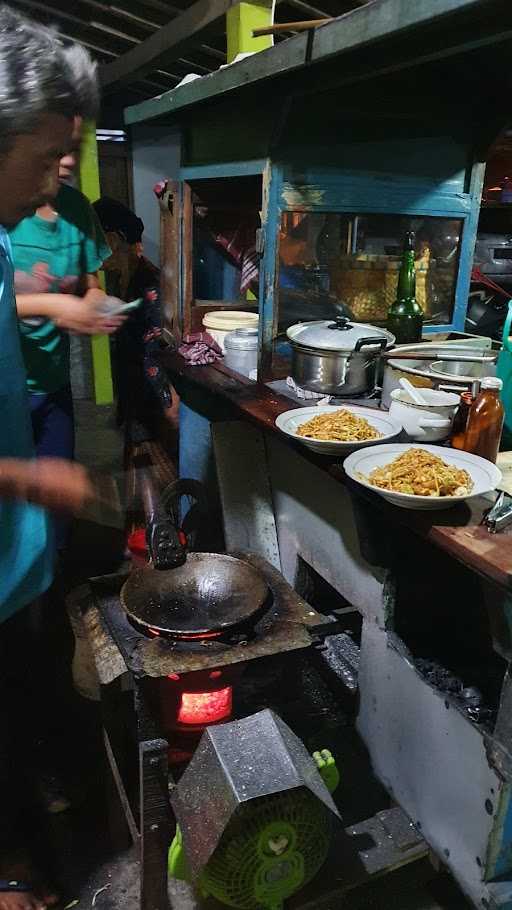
(484, 474)
(431, 422)
(290, 421)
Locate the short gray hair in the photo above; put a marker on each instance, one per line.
(40, 75)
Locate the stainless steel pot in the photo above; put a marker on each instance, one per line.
(337, 358)
(420, 372)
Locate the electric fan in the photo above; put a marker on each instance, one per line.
(274, 843)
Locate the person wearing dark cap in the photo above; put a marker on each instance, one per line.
(143, 392)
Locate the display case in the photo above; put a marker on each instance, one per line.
(335, 259)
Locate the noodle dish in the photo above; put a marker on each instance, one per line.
(426, 477)
(332, 430)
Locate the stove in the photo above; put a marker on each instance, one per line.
(160, 691)
(281, 626)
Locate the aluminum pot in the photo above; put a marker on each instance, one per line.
(337, 358)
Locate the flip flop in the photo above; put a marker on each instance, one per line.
(16, 886)
(10, 885)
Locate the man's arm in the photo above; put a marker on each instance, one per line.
(75, 314)
(50, 482)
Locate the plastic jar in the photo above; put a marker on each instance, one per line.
(241, 351)
(220, 322)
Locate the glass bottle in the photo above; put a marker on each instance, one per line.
(485, 420)
(405, 316)
(458, 435)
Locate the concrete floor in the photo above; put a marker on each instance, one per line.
(86, 869)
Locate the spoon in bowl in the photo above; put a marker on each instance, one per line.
(414, 393)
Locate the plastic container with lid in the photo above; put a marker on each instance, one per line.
(241, 351)
(220, 322)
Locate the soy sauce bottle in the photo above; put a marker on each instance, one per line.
(405, 316)
(460, 421)
(485, 421)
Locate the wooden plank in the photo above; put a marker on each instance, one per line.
(382, 19)
(170, 216)
(156, 824)
(168, 43)
(458, 531)
(120, 789)
(187, 257)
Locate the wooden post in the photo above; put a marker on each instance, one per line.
(90, 186)
(241, 20)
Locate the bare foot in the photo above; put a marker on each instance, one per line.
(20, 900)
(17, 867)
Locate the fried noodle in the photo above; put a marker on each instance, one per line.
(340, 426)
(421, 473)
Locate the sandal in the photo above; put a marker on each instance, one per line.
(16, 886)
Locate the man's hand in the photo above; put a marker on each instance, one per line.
(59, 485)
(80, 315)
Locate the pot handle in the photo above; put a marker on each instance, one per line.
(365, 342)
(439, 423)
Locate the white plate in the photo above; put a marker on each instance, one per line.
(484, 474)
(290, 421)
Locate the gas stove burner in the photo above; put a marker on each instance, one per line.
(208, 597)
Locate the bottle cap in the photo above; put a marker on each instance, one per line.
(491, 382)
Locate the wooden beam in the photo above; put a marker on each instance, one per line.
(374, 23)
(303, 26)
(167, 43)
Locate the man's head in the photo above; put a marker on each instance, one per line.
(45, 86)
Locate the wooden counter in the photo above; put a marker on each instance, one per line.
(457, 531)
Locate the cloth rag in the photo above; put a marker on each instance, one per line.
(199, 349)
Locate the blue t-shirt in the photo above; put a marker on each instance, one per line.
(26, 548)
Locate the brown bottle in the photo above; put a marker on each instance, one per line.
(460, 421)
(485, 421)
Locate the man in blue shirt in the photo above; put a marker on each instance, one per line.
(44, 86)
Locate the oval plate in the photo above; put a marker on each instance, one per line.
(484, 474)
(290, 421)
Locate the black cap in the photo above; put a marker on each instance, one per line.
(118, 218)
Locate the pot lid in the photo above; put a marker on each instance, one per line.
(339, 334)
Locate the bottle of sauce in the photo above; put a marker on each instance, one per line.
(460, 421)
(405, 316)
(485, 421)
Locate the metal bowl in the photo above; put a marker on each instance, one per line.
(209, 594)
(462, 371)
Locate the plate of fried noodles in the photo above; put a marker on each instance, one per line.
(426, 477)
(335, 430)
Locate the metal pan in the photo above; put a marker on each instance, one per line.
(210, 594)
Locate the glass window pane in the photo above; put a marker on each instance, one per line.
(330, 261)
(226, 216)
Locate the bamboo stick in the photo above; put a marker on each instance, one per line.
(290, 27)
